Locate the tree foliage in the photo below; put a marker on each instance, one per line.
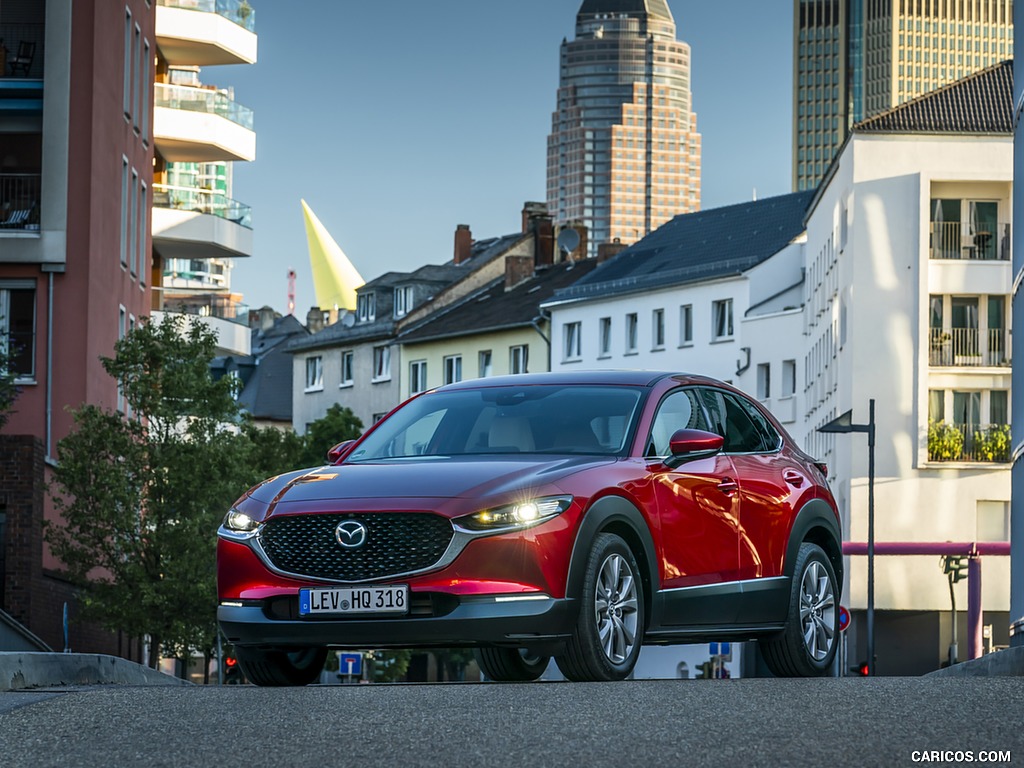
(336, 426)
(8, 389)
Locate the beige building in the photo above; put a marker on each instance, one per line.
(853, 59)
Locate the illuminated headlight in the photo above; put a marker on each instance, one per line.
(240, 522)
(520, 515)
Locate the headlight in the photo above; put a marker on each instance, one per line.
(240, 522)
(520, 515)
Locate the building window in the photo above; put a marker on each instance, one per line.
(143, 217)
(452, 369)
(658, 329)
(685, 325)
(125, 210)
(631, 323)
(486, 364)
(314, 374)
(347, 359)
(133, 222)
(146, 91)
(417, 376)
(382, 363)
(122, 322)
(788, 378)
(403, 300)
(605, 334)
(721, 315)
(137, 85)
(518, 359)
(18, 329)
(764, 381)
(366, 307)
(571, 341)
(127, 94)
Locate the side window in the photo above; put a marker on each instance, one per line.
(744, 428)
(680, 410)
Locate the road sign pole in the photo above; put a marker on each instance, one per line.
(871, 537)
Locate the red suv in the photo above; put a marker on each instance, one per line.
(578, 516)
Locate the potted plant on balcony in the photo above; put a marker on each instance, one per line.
(993, 443)
(945, 442)
(244, 12)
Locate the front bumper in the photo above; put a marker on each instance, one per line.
(540, 624)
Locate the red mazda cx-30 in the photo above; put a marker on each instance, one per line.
(578, 516)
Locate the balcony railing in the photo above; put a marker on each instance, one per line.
(969, 347)
(956, 240)
(238, 11)
(19, 201)
(202, 201)
(968, 442)
(235, 313)
(206, 100)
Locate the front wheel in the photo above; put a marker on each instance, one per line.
(509, 665)
(606, 641)
(278, 667)
(807, 646)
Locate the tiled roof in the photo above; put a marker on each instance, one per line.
(698, 246)
(657, 7)
(979, 103)
(493, 308)
(268, 393)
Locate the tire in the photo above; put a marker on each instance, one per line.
(807, 646)
(510, 665)
(606, 640)
(277, 668)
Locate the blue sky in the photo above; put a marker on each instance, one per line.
(398, 120)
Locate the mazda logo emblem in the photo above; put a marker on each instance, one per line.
(351, 534)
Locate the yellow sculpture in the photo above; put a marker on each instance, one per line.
(334, 277)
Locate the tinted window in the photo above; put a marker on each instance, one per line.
(680, 410)
(741, 424)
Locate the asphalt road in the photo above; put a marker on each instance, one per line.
(826, 722)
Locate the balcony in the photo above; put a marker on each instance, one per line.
(201, 125)
(19, 202)
(968, 442)
(206, 32)
(969, 347)
(190, 223)
(956, 240)
(229, 323)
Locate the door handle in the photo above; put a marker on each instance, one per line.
(728, 485)
(793, 477)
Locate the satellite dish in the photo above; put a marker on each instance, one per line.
(568, 240)
(348, 320)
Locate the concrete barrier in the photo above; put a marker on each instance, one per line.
(1006, 663)
(20, 671)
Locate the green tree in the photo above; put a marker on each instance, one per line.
(140, 498)
(8, 389)
(337, 425)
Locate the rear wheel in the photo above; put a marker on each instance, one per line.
(278, 667)
(807, 646)
(606, 641)
(509, 665)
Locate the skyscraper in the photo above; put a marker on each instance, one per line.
(624, 152)
(853, 59)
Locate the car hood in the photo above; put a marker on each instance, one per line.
(446, 478)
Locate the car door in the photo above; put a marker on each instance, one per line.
(698, 511)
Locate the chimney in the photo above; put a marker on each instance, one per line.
(463, 243)
(537, 222)
(606, 251)
(314, 320)
(532, 210)
(517, 270)
(266, 318)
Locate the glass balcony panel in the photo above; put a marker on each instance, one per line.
(238, 11)
(206, 100)
(202, 201)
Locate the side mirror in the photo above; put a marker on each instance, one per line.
(338, 451)
(691, 444)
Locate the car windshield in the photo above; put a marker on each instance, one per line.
(583, 419)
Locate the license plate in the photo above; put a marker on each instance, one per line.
(390, 599)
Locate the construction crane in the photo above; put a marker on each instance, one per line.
(291, 291)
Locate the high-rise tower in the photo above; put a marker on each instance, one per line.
(624, 152)
(853, 59)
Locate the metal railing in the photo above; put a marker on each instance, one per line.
(235, 313)
(202, 201)
(969, 347)
(238, 11)
(968, 442)
(959, 240)
(19, 201)
(208, 100)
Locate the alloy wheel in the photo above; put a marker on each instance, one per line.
(615, 608)
(817, 611)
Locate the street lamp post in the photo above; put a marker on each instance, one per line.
(842, 425)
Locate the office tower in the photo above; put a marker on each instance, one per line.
(624, 152)
(853, 59)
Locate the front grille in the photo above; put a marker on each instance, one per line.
(396, 543)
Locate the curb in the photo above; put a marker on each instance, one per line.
(23, 671)
(1005, 663)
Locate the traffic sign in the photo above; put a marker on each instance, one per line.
(350, 664)
(844, 618)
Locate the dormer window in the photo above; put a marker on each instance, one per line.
(366, 307)
(403, 300)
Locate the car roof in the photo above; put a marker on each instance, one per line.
(566, 378)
